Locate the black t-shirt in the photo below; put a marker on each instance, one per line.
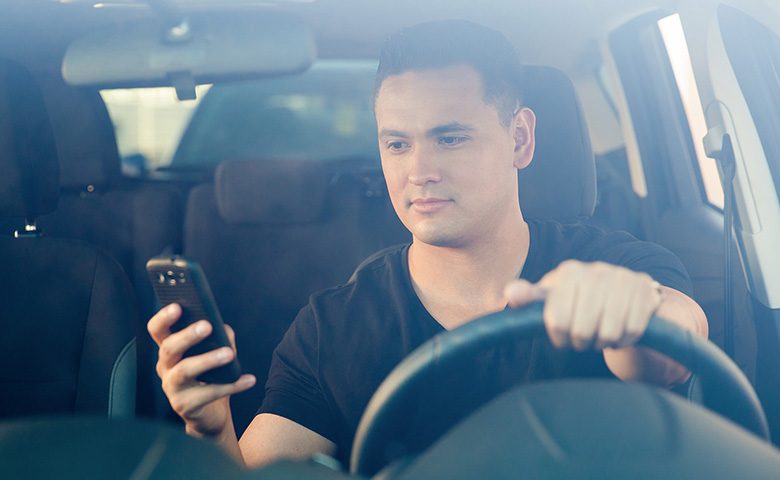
(348, 338)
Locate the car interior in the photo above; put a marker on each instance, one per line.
(272, 212)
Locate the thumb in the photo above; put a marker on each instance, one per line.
(522, 292)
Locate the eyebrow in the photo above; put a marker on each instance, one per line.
(391, 133)
(449, 127)
(433, 132)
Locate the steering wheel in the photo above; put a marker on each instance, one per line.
(725, 388)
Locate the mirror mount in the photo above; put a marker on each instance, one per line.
(184, 84)
(176, 26)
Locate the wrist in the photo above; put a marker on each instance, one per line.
(215, 435)
(192, 431)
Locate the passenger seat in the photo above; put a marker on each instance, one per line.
(130, 219)
(67, 310)
(269, 233)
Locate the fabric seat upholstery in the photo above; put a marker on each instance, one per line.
(560, 183)
(269, 233)
(66, 309)
(130, 219)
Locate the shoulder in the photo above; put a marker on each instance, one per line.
(587, 242)
(558, 242)
(335, 315)
(382, 272)
(577, 235)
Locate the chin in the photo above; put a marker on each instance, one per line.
(437, 237)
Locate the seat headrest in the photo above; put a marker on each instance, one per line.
(86, 144)
(29, 172)
(271, 191)
(560, 183)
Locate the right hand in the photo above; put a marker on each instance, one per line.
(204, 407)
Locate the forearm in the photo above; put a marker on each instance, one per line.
(270, 438)
(637, 363)
(227, 440)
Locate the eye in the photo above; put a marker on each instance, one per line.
(396, 146)
(452, 140)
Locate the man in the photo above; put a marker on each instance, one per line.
(452, 134)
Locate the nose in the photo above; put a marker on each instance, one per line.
(423, 167)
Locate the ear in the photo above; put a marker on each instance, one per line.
(523, 131)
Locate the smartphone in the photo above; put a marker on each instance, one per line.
(177, 279)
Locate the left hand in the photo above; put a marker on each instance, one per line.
(591, 305)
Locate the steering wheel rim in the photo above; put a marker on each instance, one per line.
(735, 399)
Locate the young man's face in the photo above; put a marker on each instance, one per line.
(449, 162)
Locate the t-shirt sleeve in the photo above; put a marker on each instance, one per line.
(293, 389)
(621, 248)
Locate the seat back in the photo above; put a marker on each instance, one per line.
(131, 219)
(66, 309)
(270, 233)
(560, 182)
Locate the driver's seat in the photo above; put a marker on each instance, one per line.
(563, 167)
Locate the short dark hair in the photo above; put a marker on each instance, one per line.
(448, 43)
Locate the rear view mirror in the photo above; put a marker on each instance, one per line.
(201, 49)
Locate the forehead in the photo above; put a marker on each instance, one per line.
(444, 94)
(456, 78)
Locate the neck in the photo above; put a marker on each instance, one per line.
(459, 283)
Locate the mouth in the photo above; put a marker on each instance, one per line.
(429, 204)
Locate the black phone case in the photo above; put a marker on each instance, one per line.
(176, 279)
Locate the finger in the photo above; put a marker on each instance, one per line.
(173, 347)
(185, 373)
(159, 326)
(553, 277)
(522, 292)
(187, 403)
(593, 293)
(559, 307)
(646, 302)
(617, 311)
(231, 334)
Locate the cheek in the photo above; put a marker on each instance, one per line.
(394, 179)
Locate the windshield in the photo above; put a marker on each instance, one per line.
(321, 114)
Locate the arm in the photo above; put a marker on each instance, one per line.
(271, 437)
(636, 363)
(205, 408)
(607, 307)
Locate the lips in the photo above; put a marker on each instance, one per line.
(429, 204)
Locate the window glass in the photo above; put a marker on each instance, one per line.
(680, 60)
(754, 52)
(321, 114)
(148, 123)
(661, 125)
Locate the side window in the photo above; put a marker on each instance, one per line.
(677, 48)
(655, 71)
(754, 53)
